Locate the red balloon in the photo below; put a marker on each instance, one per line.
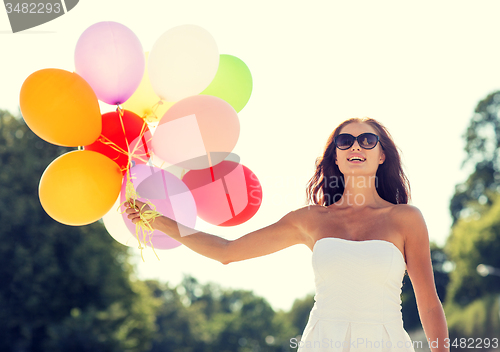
(112, 131)
(226, 194)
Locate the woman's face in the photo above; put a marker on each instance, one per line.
(370, 158)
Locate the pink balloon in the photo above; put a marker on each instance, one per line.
(170, 196)
(110, 58)
(227, 194)
(197, 132)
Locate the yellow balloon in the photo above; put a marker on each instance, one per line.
(80, 187)
(61, 108)
(144, 102)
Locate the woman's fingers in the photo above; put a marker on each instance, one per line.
(133, 213)
(138, 204)
(142, 206)
(131, 210)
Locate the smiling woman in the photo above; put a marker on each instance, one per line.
(394, 186)
(374, 238)
(363, 236)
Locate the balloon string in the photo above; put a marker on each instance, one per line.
(143, 226)
(114, 146)
(144, 143)
(120, 112)
(150, 114)
(131, 195)
(144, 157)
(152, 117)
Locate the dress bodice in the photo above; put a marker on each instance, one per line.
(358, 288)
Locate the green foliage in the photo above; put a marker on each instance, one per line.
(299, 314)
(196, 317)
(482, 142)
(470, 305)
(63, 288)
(472, 242)
(479, 319)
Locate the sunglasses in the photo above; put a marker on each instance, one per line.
(365, 140)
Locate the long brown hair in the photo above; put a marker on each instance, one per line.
(391, 181)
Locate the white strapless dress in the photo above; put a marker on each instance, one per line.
(357, 303)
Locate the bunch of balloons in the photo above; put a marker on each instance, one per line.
(185, 91)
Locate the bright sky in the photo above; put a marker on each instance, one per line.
(419, 68)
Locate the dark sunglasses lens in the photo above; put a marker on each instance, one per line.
(344, 141)
(367, 140)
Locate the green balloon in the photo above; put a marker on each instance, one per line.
(232, 82)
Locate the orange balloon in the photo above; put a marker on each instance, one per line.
(60, 107)
(80, 187)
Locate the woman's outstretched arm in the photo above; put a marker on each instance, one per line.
(282, 234)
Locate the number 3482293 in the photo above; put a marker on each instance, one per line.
(472, 343)
(33, 7)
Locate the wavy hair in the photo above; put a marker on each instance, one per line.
(391, 181)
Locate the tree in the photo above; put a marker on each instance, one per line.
(472, 304)
(63, 288)
(178, 328)
(482, 142)
(299, 313)
(474, 241)
(475, 236)
(195, 318)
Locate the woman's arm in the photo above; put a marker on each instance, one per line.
(419, 266)
(282, 234)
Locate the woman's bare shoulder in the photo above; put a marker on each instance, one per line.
(408, 218)
(304, 217)
(406, 212)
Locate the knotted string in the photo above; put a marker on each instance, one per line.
(143, 226)
(144, 157)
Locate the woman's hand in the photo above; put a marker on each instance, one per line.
(134, 213)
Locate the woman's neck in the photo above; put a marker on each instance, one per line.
(359, 191)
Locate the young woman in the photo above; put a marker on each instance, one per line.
(363, 236)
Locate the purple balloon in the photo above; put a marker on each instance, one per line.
(110, 58)
(170, 196)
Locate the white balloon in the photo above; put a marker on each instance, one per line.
(113, 221)
(182, 62)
